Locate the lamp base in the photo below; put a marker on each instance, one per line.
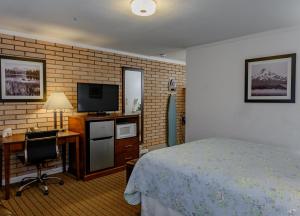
(55, 119)
(62, 129)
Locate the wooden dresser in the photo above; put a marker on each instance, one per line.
(125, 149)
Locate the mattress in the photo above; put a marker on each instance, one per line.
(218, 176)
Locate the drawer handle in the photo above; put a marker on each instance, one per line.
(128, 158)
(128, 146)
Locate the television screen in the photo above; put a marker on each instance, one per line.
(97, 97)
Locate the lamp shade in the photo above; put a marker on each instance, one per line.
(57, 100)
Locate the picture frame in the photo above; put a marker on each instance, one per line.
(22, 79)
(271, 79)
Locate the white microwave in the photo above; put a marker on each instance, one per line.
(126, 130)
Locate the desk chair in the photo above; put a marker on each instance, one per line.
(39, 148)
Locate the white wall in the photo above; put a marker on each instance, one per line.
(215, 91)
(179, 55)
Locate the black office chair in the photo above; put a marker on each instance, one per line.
(39, 148)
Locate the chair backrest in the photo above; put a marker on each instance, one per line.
(41, 146)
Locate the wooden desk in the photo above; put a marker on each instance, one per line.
(16, 142)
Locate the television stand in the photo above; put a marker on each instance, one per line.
(125, 149)
(99, 114)
(102, 114)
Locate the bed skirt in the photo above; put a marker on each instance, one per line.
(152, 207)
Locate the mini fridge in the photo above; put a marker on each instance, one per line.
(101, 145)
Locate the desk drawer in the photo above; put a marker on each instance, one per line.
(65, 140)
(17, 147)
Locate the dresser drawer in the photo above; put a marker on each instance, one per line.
(125, 145)
(126, 150)
(122, 158)
(131, 155)
(128, 146)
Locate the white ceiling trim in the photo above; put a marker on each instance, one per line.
(246, 37)
(81, 45)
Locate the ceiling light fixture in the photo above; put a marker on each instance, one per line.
(143, 7)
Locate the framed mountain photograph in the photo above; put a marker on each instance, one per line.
(270, 79)
(22, 79)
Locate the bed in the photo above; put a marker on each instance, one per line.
(217, 177)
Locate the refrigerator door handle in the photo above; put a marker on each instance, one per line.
(102, 138)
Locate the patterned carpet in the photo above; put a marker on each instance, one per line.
(101, 196)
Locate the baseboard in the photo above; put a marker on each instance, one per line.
(103, 173)
(48, 171)
(155, 147)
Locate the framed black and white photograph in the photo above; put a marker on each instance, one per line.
(22, 79)
(270, 79)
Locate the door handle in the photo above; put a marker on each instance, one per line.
(102, 138)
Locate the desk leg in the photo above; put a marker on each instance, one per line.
(1, 166)
(6, 150)
(77, 158)
(63, 155)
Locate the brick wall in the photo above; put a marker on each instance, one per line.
(67, 65)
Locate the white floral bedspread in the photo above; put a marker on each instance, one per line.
(219, 177)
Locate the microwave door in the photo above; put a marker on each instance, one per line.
(124, 131)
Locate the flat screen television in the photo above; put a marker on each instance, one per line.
(98, 98)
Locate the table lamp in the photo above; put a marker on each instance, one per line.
(58, 101)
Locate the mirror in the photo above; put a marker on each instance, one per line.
(133, 95)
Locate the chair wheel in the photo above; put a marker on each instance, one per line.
(44, 176)
(61, 182)
(18, 193)
(46, 193)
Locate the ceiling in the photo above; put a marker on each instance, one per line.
(177, 24)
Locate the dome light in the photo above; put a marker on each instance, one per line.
(143, 7)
